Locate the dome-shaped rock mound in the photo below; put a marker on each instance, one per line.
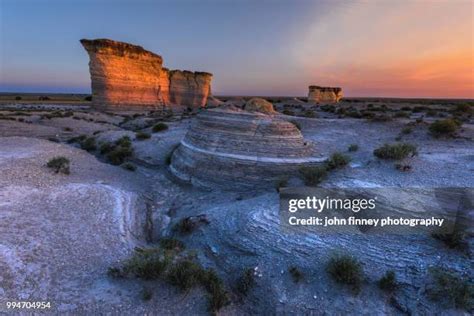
(259, 105)
(229, 147)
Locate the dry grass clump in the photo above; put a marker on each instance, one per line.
(446, 127)
(118, 152)
(450, 289)
(129, 166)
(353, 147)
(88, 144)
(59, 164)
(171, 244)
(396, 151)
(453, 239)
(346, 269)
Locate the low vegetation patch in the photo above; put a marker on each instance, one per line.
(184, 274)
(142, 135)
(310, 114)
(246, 282)
(296, 274)
(353, 147)
(455, 239)
(59, 164)
(129, 166)
(118, 152)
(388, 282)
(346, 269)
(171, 244)
(395, 151)
(313, 175)
(450, 289)
(406, 130)
(337, 160)
(88, 144)
(159, 127)
(446, 127)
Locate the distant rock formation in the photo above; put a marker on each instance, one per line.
(128, 77)
(319, 94)
(229, 147)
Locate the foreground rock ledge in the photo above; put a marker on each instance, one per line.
(230, 147)
(128, 77)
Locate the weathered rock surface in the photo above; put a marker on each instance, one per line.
(259, 105)
(230, 147)
(128, 77)
(319, 94)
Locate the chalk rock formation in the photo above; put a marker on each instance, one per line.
(259, 105)
(319, 94)
(128, 77)
(229, 147)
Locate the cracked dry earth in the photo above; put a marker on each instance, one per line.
(60, 233)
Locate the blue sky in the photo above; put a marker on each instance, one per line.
(272, 47)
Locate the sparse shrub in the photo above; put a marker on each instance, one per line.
(406, 130)
(76, 139)
(402, 114)
(345, 269)
(88, 98)
(402, 167)
(354, 114)
(310, 114)
(288, 112)
(281, 183)
(115, 272)
(185, 225)
(44, 98)
(388, 282)
(68, 129)
(313, 175)
(296, 274)
(418, 109)
(17, 98)
(406, 108)
(395, 151)
(171, 244)
(218, 297)
(119, 154)
(446, 127)
(59, 164)
(184, 274)
(142, 135)
(246, 282)
(367, 114)
(129, 166)
(147, 294)
(88, 144)
(53, 139)
(381, 118)
(450, 289)
(159, 127)
(353, 147)
(328, 108)
(106, 148)
(431, 113)
(147, 264)
(463, 108)
(337, 161)
(455, 239)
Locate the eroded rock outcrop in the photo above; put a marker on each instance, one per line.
(128, 77)
(231, 147)
(319, 94)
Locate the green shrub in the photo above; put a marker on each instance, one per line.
(337, 161)
(446, 127)
(88, 98)
(345, 269)
(185, 225)
(218, 296)
(124, 141)
(147, 264)
(59, 164)
(328, 108)
(129, 166)
(171, 244)
(88, 144)
(450, 290)
(159, 127)
(296, 274)
(388, 282)
(246, 282)
(354, 114)
(288, 112)
(76, 139)
(17, 98)
(106, 148)
(455, 239)
(185, 274)
(310, 114)
(353, 147)
(402, 114)
(313, 175)
(119, 154)
(381, 118)
(395, 151)
(463, 108)
(142, 135)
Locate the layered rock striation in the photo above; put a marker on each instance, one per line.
(128, 77)
(231, 147)
(319, 94)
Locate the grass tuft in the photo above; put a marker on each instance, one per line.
(396, 151)
(59, 164)
(346, 269)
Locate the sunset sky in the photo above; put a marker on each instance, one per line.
(418, 48)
